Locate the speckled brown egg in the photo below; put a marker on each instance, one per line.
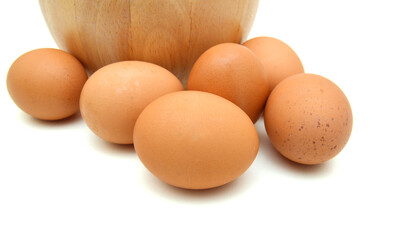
(115, 95)
(233, 72)
(308, 118)
(46, 83)
(278, 59)
(195, 140)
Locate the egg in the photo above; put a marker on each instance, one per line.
(308, 119)
(195, 140)
(115, 95)
(279, 60)
(233, 72)
(46, 83)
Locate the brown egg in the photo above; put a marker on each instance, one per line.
(278, 59)
(46, 83)
(195, 140)
(308, 119)
(233, 72)
(115, 95)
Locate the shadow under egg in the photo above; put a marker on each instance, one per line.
(51, 123)
(226, 191)
(111, 148)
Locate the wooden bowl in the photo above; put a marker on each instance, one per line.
(170, 33)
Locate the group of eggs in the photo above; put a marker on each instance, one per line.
(203, 137)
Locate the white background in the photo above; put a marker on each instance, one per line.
(59, 181)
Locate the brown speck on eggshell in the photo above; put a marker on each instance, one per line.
(288, 105)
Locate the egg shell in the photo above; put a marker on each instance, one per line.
(195, 140)
(278, 59)
(115, 95)
(46, 83)
(308, 119)
(233, 72)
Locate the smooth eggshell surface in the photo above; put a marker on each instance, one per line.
(46, 83)
(278, 59)
(115, 95)
(233, 72)
(195, 140)
(308, 119)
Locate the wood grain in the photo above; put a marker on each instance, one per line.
(172, 34)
